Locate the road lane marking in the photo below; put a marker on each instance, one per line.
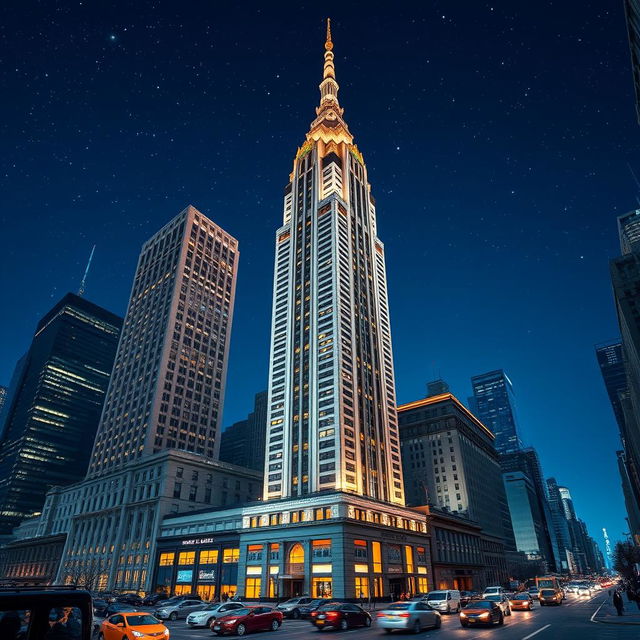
(595, 613)
(535, 633)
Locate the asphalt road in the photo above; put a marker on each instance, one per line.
(571, 621)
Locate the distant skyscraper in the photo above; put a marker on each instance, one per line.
(168, 380)
(495, 404)
(611, 361)
(332, 415)
(234, 443)
(4, 392)
(55, 404)
(632, 10)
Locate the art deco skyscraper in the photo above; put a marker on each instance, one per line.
(167, 387)
(332, 417)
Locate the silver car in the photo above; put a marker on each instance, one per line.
(291, 608)
(179, 609)
(206, 616)
(414, 616)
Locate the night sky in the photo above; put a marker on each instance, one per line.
(498, 138)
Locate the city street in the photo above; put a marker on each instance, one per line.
(571, 621)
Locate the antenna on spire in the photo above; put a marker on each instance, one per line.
(86, 273)
(328, 45)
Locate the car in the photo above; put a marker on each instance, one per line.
(583, 590)
(492, 591)
(446, 601)
(211, 612)
(291, 608)
(550, 596)
(502, 601)
(179, 609)
(130, 598)
(154, 598)
(481, 612)
(174, 599)
(132, 625)
(521, 602)
(118, 607)
(534, 592)
(340, 615)
(307, 609)
(99, 606)
(465, 598)
(409, 615)
(248, 619)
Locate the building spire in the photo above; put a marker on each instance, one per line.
(329, 86)
(83, 284)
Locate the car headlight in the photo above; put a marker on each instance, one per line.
(463, 615)
(484, 616)
(137, 634)
(166, 632)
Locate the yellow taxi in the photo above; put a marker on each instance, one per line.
(132, 625)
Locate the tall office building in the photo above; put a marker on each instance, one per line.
(625, 278)
(55, 402)
(632, 11)
(332, 415)
(168, 380)
(611, 362)
(494, 402)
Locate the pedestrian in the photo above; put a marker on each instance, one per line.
(618, 603)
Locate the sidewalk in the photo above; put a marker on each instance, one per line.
(608, 614)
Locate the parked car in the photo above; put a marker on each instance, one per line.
(99, 607)
(481, 612)
(178, 609)
(130, 598)
(154, 598)
(521, 602)
(248, 619)
(291, 608)
(173, 599)
(132, 625)
(411, 615)
(502, 601)
(211, 612)
(338, 615)
(307, 609)
(445, 601)
(118, 607)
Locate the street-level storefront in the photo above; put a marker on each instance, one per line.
(206, 565)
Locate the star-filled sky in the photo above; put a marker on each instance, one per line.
(498, 138)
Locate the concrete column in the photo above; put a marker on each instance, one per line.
(306, 545)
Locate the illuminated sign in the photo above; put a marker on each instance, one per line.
(185, 575)
(198, 541)
(206, 575)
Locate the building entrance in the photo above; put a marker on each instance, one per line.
(397, 586)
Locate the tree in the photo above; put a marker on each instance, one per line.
(625, 558)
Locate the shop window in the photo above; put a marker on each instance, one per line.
(377, 587)
(321, 549)
(408, 554)
(209, 557)
(179, 589)
(423, 585)
(377, 557)
(321, 588)
(228, 590)
(206, 591)
(360, 549)
(254, 552)
(166, 559)
(362, 587)
(252, 588)
(186, 558)
(230, 555)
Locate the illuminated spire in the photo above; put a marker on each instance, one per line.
(329, 86)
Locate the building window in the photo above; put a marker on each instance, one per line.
(177, 489)
(252, 588)
(360, 549)
(186, 558)
(422, 555)
(230, 555)
(321, 549)
(209, 557)
(254, 552)
(166, 559)
(321, 587)
(423, 585)
(274, 551)
(362, 587)
(377, 557)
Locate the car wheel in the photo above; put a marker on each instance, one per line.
(344, 625)
(367, 622)
(173, 616)
(241, 630)
(501, 619)
(417, 627)
(464, 624)
(274, 625)
(438, 623)
(508, 612)
(295, 614)
(210, 621)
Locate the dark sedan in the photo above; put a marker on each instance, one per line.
(99, 607)
(481, 612)
(154, 598)
(307, 609)
(336, 615)
(130, 598)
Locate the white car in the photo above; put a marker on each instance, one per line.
(502, 600)
(206, 616)
(492, 591)
(584, 590)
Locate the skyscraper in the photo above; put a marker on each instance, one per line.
(495, 406)
(611, 361)
(168, 380)
(332, 415)
(632, 11)
(55, 403)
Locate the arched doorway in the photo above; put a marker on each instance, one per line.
(293, 578)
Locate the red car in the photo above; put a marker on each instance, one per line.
(338, 615)
(248, 619)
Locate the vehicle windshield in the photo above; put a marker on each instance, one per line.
(548, 592)
(291, 601)
(330, 606)
(211, 607)
(437, 595)
(314, 603)
(141, 620)
(495, 598)
(481, 604)
(239, 612)
(398, 606)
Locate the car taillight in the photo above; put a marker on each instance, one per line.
(314, 614)
(404, 615)
(380, 614)
(332, 614)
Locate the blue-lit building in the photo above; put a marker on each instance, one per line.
(494, 404)
(54, 405)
